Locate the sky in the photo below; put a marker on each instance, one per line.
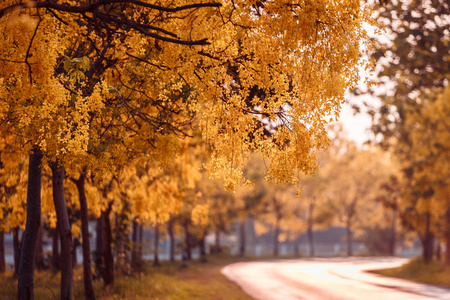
(357, 126)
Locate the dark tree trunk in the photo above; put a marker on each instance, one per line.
(65, 233)
(217, 246)
(135, 259)
(311, 239)
(188, 247)
(141, 240)
(75, 244)
(297, 247)
(25, 284)
(156, 246)
(276, 234)
(312, 206)
(56, 261)
(108, 273)
(447, 242)
(242, 238)
(172, 240)
(349, 240)
(16, 246)
(428, 241)
(39, 261)
(393, 243)
(438, 250)
(98, 256)
(86, 247)
(203, 247)
(2, 252)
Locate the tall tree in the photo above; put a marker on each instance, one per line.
(103, 62)
(417, 63)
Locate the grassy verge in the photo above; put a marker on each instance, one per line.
(169, 281)
(416, 270)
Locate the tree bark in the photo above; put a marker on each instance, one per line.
(39, 261)
(98, 257)
(65, 234)
(108, 272)
(428, 241)
(188, 241)
(86, 247)
(172, 240)
(135, 260)
(447, 242)
(141, 240)
(297, 247)
(56, 261)
(2, 252)
(438, 250)
(203, 247)
(393, 244)
(349, 239)
(311, 239)
(276, 233)
(242, 238)
(16, 246)
(217, 246)
(25, 284)
(156, 246)
(75, 244)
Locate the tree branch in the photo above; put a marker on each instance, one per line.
(94, 5)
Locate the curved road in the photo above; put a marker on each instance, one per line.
(328, 279)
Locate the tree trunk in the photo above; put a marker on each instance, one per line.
(27, 254)
(39, 261)
(172, 240)
(141, 240)
(135, 260)
(16, 246)
(203, 247)
(98, 255)
(297, 247)
(2, 252)
(217, 246)
(393, 244)
(86, 247)
(311, 239)
(108, 273)
(438, 250)
(188, 241)
(312, 206)
(75, 244)
(349, 239)
(56, 261)
(447, 242)
(242, 238)
(156, 246)
(428, 241)
(65, 233)
(276, 233)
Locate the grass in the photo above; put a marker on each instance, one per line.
(169, 281)
(416, 270)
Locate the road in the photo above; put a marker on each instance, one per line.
(328, 279)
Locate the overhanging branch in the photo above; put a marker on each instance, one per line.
(94, 5)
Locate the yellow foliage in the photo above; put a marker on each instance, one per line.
(200, 214)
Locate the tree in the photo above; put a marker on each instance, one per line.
(426, 167)
(118, 50)
(13, 177)
(416, 64)
(354, 176)
(315, 208)
(249, 198)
